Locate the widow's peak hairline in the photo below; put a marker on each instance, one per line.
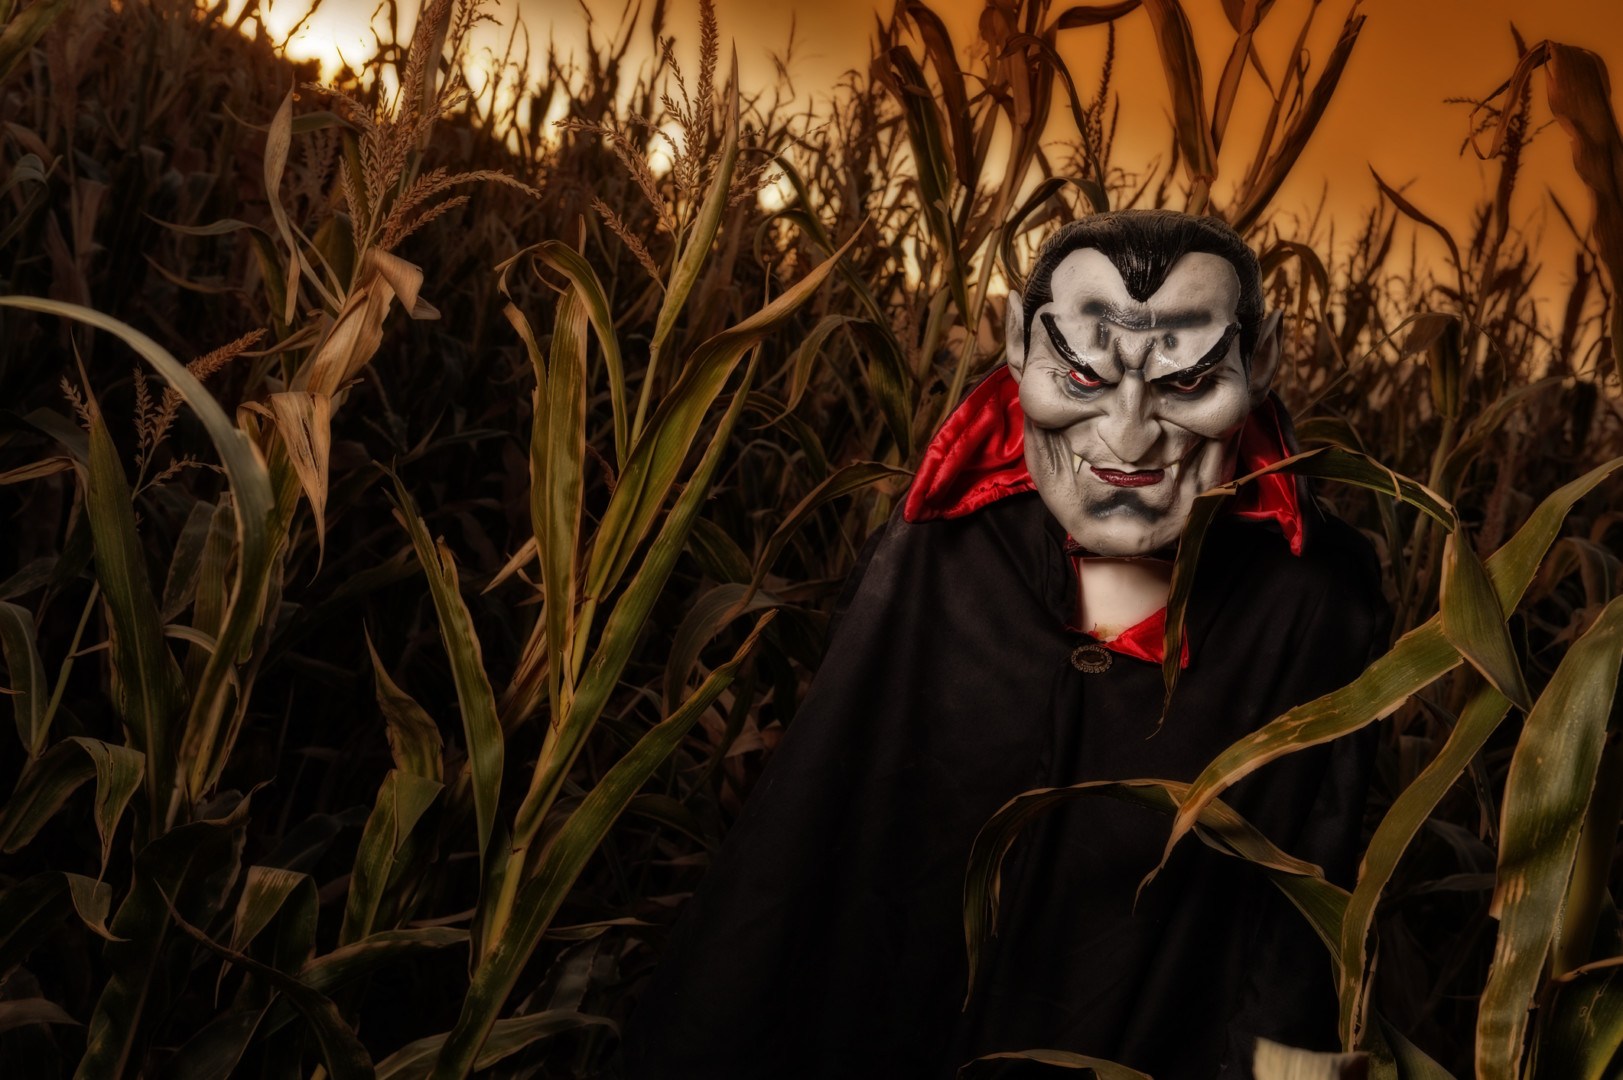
(1143, 246)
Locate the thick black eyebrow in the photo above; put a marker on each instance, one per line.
(1213, 357)
(1065, 351)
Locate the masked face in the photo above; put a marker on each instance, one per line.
(1132, 407)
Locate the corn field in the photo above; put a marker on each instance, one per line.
(421, 518)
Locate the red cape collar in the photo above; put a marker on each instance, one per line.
(979, 457)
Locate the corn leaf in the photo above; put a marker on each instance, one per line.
(344, 965)
(92, 899)
(621, 632)
(589, 291)
(402, 800)
(23, 30)
(1581, 1029)
(1412, 1062)
(1276, 1061)
(1326, 462)
(540, 897)
(254, 503)
(1181, 64)
(1064, 1059)
(20, 1012)
(414, 738)
(480, 725)
(119, 771)
(41, 791)
(852, 477)
(278, 141)
(704, 620)
(195, 864)
(889, 381)
(1420, 657)
(265, 889)
(1546, 793)
(30, 689)
(341, 1051)
(1474, 623)
(415, 1060)
(1221, 827)
(180, 584)
(557, 480)
(29, 912)
(658, 455)
(1479, 719)
(305, 422)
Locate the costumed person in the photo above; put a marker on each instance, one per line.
(1004, 633)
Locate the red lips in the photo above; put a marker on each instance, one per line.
(1117, 478)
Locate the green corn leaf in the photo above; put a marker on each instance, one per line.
(1412, 1062)
(1546, 793)
(657, 456)
(621, 632)
(119, 771)
(1486, 424)
(415, 1060)
(1420, 657)
(414, 738)
(853, 477)
(30, 690)
(402, 800)
(146, 679)
(22, 30)
(93, 900)
(20, 1012)
(196, 865)
(718, 554)
(29, 912)
(216, 1050)
(1474, 623)
(557, 482)
(43, 789)
(889, 380)
(541, 896)
(1581, 1029)
(589, 290)
(480, 725)
(180, 585)
(704, 620)
(135, 612)
(1479, 719)
(344, 965)
(265, 889)
(1325, 462)
(1219, 826)
(341, 1051)
(811, 347)
(1064, 1059)
(213, 580)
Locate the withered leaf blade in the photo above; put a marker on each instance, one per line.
(305, 421)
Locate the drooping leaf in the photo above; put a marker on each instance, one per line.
(480, 726)
(41, 791)
(305, 422)
(414, 738)
(704, 620)
(20, 1012)
(119, 772)
(1064, 1059)
(1546, 793)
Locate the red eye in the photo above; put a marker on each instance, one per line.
(1086, 380)
(1187, 386)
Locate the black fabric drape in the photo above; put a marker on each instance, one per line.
(827, 940)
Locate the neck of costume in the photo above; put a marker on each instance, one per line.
(827, 939)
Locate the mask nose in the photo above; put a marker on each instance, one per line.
(1127, 429)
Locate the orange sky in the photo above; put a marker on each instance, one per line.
(1390, 111)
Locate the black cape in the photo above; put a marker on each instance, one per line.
(827, 938)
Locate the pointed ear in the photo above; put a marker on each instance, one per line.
(1265, 357)
(1014, 335)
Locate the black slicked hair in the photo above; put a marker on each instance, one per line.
(1143, 245)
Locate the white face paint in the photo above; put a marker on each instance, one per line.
(1132, 407)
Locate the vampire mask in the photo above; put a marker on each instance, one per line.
(1139, 351)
